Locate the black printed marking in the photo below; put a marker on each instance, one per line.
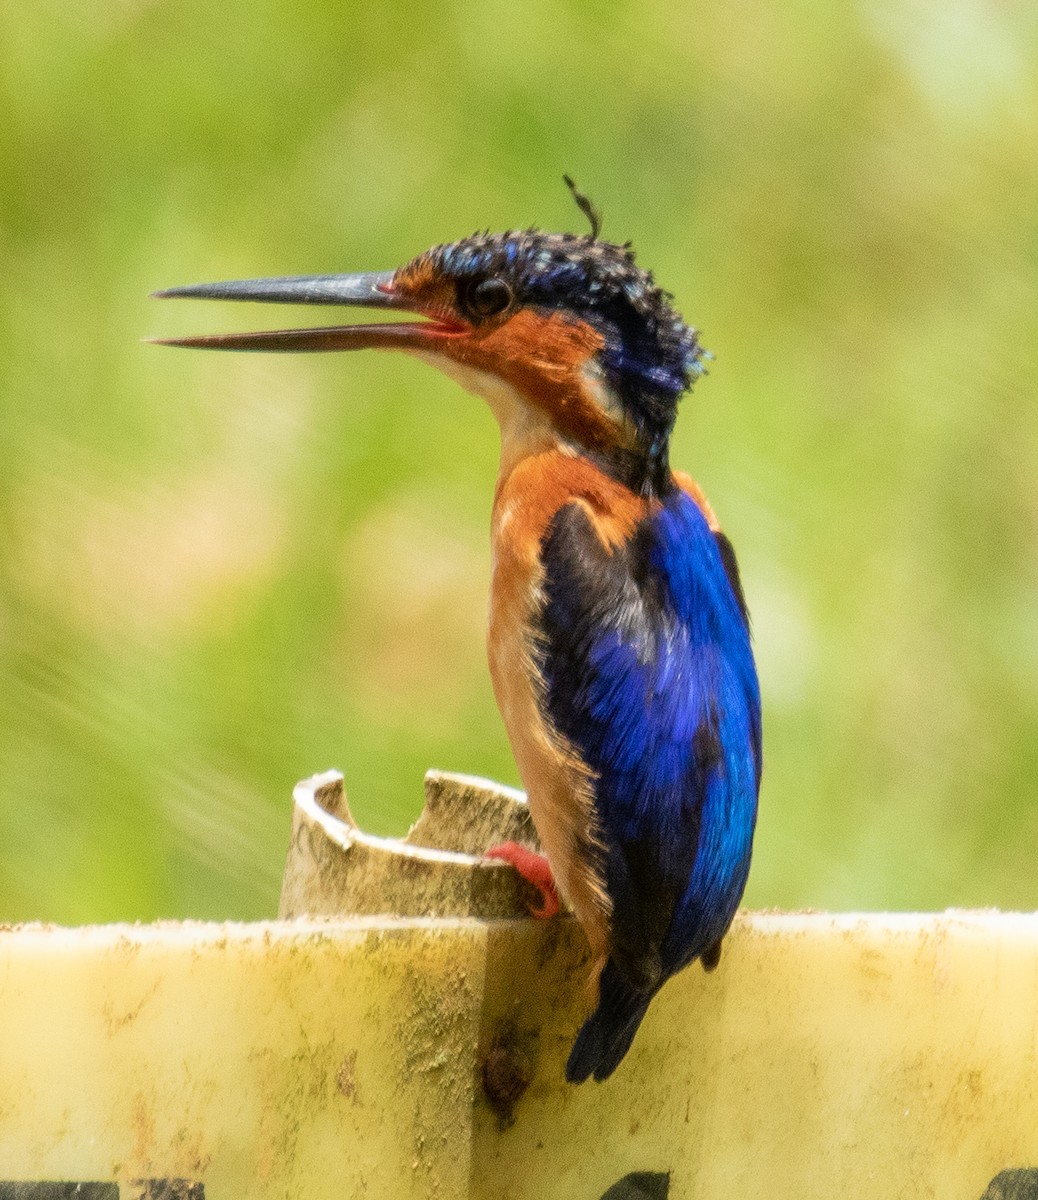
(140, 1189)
(57, 1190)
(1019, 1183)
(640, 1185)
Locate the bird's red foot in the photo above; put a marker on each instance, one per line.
(534, 868)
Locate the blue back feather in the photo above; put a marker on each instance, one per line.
(649, 673)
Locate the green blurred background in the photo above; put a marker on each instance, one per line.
(219, 574)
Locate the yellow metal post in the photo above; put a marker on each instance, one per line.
(881, 1057)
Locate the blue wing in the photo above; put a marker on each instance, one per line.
(648, 672)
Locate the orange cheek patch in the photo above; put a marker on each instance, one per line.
(431, 293)
(543, 356)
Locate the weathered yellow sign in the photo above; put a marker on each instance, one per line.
(878, 1057)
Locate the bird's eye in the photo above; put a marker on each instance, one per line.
(486, 297)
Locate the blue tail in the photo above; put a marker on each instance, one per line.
(606, 1036)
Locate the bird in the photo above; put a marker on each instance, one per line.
(618, 641)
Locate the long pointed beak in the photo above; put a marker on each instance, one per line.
(372, 289)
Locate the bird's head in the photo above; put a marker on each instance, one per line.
(564, 335)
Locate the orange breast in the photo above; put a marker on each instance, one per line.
(559, 785)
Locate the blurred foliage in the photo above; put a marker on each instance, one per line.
(219, 574)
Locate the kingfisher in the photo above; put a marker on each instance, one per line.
(618, 639)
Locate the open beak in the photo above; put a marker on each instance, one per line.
(373, 289)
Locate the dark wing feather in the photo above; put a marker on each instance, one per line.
(648, 673)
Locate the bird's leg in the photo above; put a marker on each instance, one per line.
(536, 870)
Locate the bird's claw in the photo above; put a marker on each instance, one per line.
(536, 870)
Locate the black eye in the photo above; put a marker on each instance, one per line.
(485, 297)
